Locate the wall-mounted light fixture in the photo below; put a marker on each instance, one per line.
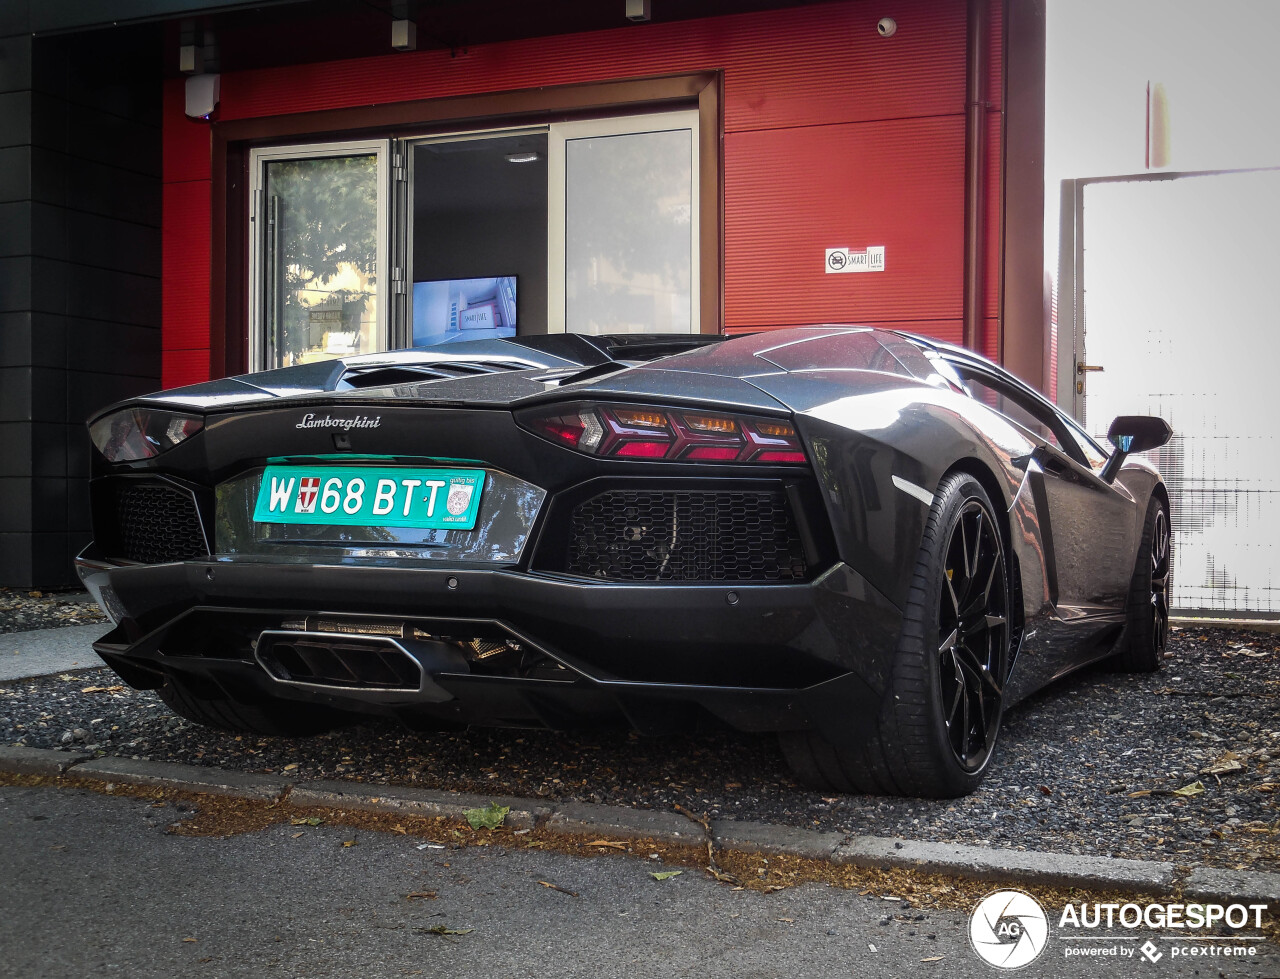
(638, 10)
(886, 27)
(190, 59)
(404, 35)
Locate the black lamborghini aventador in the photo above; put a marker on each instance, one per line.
(866, 541)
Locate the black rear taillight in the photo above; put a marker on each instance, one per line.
(666, 434)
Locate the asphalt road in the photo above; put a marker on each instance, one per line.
(92, 885)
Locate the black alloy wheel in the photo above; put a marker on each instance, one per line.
(1143, 645)
(973, 631)
(1159, 582)
(940, 714)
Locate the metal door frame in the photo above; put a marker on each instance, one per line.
(259, 157)
(1071, 277)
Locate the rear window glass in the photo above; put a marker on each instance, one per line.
(860, 351)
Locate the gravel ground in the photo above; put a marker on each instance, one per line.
(1090, 765)
(22, 610)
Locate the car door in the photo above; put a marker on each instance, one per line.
(1087, 524)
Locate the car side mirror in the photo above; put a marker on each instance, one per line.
(1134, 433)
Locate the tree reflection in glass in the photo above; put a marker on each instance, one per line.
(321, 258)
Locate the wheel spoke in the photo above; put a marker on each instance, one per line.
(984, 530)
(1159, 544)
(971, 564)
(991, 579)
(958, 677)
(978, 596)
(1159, 618)
(955, 706)
(973, 629)
(967, 658)
(980, 708)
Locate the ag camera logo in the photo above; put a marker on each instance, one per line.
(1009, 929)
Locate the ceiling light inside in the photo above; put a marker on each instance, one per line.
(530, 157)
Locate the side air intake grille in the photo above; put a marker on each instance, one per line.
(155, 522)
(677, 535)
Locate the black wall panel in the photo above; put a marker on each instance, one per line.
(80, 202)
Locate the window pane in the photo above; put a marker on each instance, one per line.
(321, 249)
(628, 233)
(479, 238)
(1010, 408)
(1096, 459)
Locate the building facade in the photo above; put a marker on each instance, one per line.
(191, 190)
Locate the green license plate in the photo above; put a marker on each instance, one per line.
(368, 496)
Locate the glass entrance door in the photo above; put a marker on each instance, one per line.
(479, 236)
(587, 227)
(320, 235)
(624, 248)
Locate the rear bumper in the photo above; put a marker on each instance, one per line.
(760, 657)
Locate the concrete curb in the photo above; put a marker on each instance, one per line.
(38, 761)
(191, 778)
(524, 814)
(1009, 866)
(619, 822)
(1245, 625)
(623, 823)
(1211, 884)
(771, 840)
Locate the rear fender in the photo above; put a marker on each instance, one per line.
(878, 487)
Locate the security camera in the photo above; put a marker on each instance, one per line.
(887, 26)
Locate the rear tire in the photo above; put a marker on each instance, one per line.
(1141, 649)
(277, 718)
(937, 726)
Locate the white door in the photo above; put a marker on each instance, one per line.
(1179, 285)
(623, 225)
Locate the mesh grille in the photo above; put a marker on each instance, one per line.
(668, 535)
(157, 522)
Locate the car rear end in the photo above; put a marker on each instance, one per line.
(565, 553)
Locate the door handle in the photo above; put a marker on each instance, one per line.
(1047, 463)
(1053, 467)
(1082, 370)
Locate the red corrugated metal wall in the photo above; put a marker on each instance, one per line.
(833, 136)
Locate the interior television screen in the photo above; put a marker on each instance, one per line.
(463, 309)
